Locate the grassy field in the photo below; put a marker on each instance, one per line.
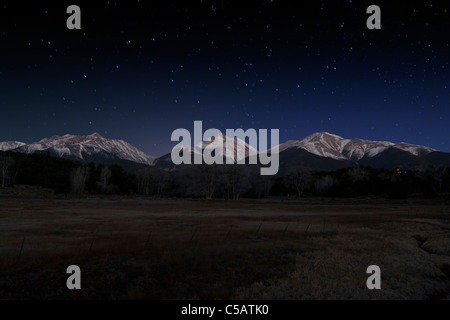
(137, 248)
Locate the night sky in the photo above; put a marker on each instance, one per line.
(137, 70)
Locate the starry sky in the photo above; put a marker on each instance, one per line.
(137, 70)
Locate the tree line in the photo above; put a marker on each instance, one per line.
(217, 181)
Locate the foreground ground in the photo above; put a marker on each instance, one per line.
(133, 248)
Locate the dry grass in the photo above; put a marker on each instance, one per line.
(172, 249)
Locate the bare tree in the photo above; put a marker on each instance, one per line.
(5, 164)
(260, 185)
(299, 179)
(206, 180)
(236, 180)
(434, 178)
(324, 184)
(200, 180)
(79, 178)
(358, 174)
(438, 178)
(152, 181)
(105, 176)
(143, 177)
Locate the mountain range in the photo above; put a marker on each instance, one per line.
(240, 151)
(92, 148)
(319, 151)
(326, 151)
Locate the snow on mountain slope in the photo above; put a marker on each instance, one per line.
(356, 149)
(240, 149)
(78, 147)
(332, 146)
(324, 144)
(10, 145)
(415, 150)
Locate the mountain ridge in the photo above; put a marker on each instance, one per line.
(318, 151)
(93, 147)
(336, 147)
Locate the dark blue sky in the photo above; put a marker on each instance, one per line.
(137, 72)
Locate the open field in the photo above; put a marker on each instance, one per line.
(136, 248)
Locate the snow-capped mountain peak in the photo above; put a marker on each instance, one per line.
(82, 148)
(240, 149)
(95, 135)
(333, 146)
(10, 145)
(321, 143)
(322, 136)
(415, 150)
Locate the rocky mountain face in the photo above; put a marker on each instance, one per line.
(10, 145)
(319, 151)
(89, 148)
(332, 146)
(325, 151)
